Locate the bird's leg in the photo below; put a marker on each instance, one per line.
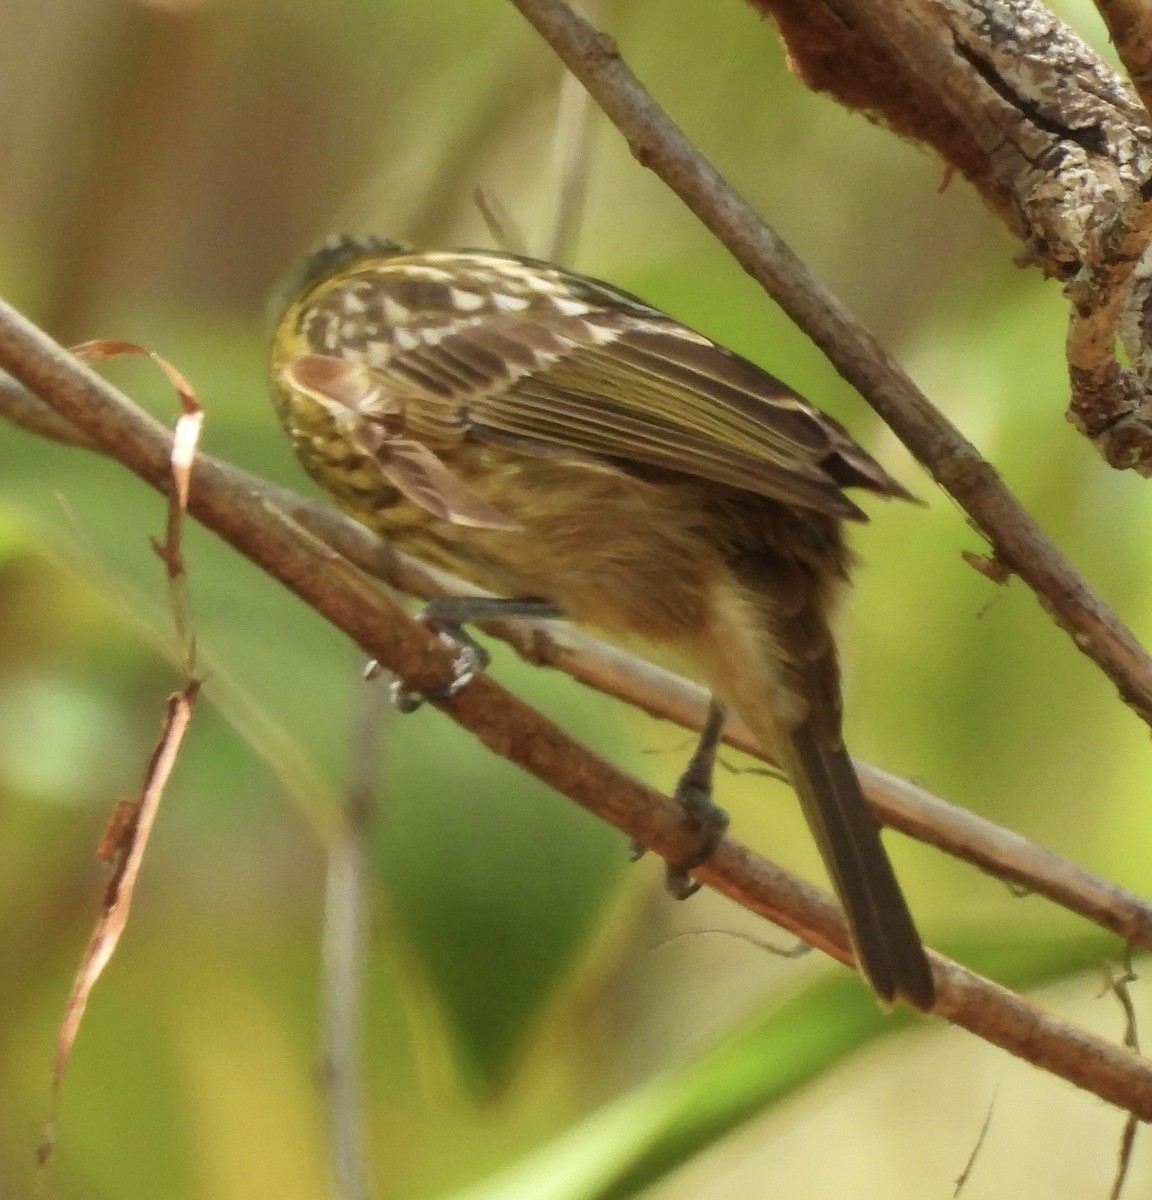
(694, 794)
(446, 617)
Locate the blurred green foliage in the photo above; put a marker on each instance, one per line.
(163, 164)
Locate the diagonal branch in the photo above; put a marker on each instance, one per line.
(336, 590)
(1017, 540)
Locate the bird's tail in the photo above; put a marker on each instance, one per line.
(780, 674)
(887, 946)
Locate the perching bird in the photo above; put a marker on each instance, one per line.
(554, 439)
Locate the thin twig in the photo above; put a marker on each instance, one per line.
(345, 948)
(1017, 540)
(337, 591)
(981, 1138)
(572, 148)
(1117, 982)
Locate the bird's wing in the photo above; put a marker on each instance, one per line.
(558, 363)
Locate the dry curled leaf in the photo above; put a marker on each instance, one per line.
(126, 834)
(126, 840)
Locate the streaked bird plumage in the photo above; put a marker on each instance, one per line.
(550, 437)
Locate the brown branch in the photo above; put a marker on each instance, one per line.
(341, 594)
(1107, 402)
(1017, 540)
(1047, 132)
(26, 409)
(896, 802)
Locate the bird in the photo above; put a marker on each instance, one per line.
(559, 442)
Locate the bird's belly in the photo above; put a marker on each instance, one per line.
(630, 559)
(633, 559)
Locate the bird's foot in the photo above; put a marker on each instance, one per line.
(446, 617)
(694, 795)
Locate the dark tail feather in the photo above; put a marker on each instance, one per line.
(884, 936)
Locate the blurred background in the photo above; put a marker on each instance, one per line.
(535, 1026)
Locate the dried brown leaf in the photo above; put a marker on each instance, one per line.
(130, 823)
(130, 831)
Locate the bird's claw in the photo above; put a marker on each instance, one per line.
(470, 659)
(710, 821)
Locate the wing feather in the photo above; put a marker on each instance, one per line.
(572, 366)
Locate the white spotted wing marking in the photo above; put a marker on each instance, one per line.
(495, 349)
(394, 312)
(466, 301)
